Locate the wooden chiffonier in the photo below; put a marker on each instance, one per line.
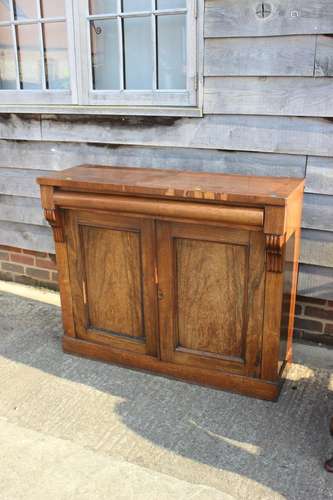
(192, 275)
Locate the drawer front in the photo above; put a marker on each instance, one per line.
(242, 216)
(108, 258)
(211, 294)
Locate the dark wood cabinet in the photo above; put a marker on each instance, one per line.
(190, 275)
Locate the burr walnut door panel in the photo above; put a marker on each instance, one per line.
(112, 268)
(211, 292)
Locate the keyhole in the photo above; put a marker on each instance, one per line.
(263, 10)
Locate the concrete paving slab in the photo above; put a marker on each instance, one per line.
(243, 447)
(35, 466)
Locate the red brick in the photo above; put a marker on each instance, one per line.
(298, 334)
(314, 337)
(55, 277)
(6, 276)
(329, 328)
(323, 339)
(35, 253)
(22, 259)
(53, 257)
(27, 280)
(46, 264)
(39, 274)
(298, 310)
(11, 249)
(311, 300)
(14, 268)
(308, 324)
(4, 255)
(318, 312)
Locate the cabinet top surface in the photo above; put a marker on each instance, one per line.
(175, 184)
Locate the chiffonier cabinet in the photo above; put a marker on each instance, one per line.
(191, 275)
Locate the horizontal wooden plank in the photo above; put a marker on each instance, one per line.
(21, 209)
(324, 56)
(264, 56)
(20, 127)
(285, 96)
(238, 18)
(289, 135)
(20, 182)
(315, 281)
(273, 134)
(317, 247)
(319, 175)
(26, 236)
(318, 212)
(42, 156)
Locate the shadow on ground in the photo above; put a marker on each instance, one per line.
(245, 447)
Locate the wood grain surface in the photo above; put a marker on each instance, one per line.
(211, 296)
(174, 184)
(113, 273)
(148, 287)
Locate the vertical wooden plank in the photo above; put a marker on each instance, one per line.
(56, 219)
(293, 297)
(271, 330)
(294, 219)
(149, 269)
(255, 306)
(165, 291)
(274, 228)
(65, 289)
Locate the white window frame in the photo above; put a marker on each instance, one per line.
(44, 96)
(81, 98)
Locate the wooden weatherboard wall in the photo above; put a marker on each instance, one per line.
(267, 110)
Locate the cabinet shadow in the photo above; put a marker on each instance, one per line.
(191, 432)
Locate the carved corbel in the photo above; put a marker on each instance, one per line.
(52, 215)
(274, 252)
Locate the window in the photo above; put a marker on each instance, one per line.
(127, 52)
(34, 62)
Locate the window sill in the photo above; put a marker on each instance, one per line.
(102, 110)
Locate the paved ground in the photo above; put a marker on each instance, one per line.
(72, 428)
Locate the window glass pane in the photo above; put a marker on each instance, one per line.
(103, 6)
(138, 53)
(137, 5)
(7, 60)
(28, 50)
(171, 51)
(52, 8)
(105, 54)
(4, 10)
(24, 9)
(56, 58)
(171, 4)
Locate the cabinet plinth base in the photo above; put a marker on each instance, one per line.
(212, 378)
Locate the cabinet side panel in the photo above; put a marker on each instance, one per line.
(287, 313)
(113, 280)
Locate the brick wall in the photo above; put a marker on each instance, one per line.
(314, 320)
(28, 267)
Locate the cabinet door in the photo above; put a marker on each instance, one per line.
(211, 293)
(112, 273)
